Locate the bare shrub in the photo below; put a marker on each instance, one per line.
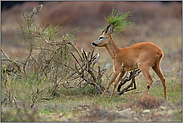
(42, 63)
(48, 64)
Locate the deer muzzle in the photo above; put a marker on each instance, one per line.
(94, 44)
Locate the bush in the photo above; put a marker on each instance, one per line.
(45, 64)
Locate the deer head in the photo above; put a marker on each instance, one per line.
(104, 38)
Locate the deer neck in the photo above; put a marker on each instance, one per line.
(112, 48)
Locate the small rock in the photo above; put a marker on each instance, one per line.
(160, 113)
(146, 111)
(170, 112)
(126, 111)
(136, 119)
(163, 107)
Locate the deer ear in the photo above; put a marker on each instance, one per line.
(110, 29)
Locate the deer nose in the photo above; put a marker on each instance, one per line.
(94, 44)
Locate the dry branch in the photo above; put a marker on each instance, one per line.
(7, 58)
(84, 69)
(126, 79)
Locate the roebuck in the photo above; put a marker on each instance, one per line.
(141, 55)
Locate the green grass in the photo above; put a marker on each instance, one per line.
(69, 100)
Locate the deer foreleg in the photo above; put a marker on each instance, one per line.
(113, 77)
(116, 83)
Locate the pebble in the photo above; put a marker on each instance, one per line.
(163, 107)
(126, 112)
(146, 111)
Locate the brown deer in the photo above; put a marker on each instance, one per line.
(141, 55)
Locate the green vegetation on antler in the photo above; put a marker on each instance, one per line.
(118, 20)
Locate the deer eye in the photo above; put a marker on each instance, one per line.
(101, 38)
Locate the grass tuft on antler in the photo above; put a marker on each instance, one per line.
(118, 20)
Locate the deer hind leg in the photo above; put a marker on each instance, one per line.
(113, 77)
(116, 83)
(156, 68)
(145, 71)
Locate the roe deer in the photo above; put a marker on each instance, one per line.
(141, 55)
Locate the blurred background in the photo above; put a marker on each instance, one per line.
(157, 22)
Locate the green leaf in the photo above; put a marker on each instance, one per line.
(119, 20)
